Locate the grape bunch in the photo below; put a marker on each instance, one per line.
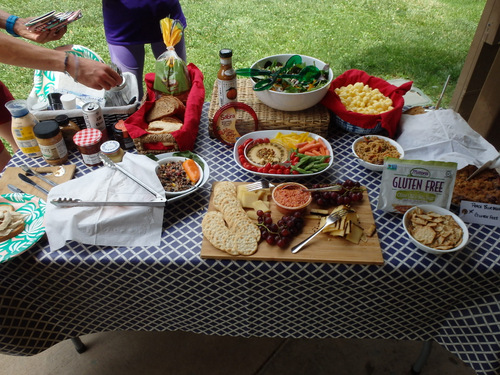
(282, 232)
(350, 192)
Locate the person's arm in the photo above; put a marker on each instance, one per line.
(17, 27)
(94, 74)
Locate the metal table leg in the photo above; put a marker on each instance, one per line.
(422, 358)
(79, 345)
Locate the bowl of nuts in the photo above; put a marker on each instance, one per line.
(435, 230)
(180, 175)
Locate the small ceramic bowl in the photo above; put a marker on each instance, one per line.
(179, 159)
(371, 166)
(440, 211)
(284, 193)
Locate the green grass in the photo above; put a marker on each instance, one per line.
(421, 40)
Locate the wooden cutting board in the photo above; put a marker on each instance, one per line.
(10, 176)
(323, 248)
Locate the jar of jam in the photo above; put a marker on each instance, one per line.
(88, 141)
(112, 150)
(68, 130)
(122, 136)
(51, 142)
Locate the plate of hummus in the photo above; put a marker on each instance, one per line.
(277, 150)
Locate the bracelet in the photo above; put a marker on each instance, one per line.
(9, 25)
(66, 57)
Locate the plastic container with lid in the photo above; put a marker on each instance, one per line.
(68, 129)
(51, 142)
(112, 150)
(23, 122)
(88, 141)
(226, 78)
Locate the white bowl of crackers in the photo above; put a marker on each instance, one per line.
(435, 230)
(371, 150)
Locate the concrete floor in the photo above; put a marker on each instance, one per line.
(181, 353)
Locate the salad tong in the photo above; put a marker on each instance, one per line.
(160, 200)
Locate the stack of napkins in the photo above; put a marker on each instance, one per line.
(108, 225)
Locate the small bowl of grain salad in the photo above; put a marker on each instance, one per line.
(371, 150)
(179, 175)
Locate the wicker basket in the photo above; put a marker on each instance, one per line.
(315, 120)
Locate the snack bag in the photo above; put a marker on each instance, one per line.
(408, 183)
(171, 71)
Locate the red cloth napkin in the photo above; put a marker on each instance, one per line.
(389, 120)
(186, 136)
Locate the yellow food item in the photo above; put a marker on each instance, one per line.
(363, 99)
(291, 140)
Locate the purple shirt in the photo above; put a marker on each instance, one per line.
(138, 22)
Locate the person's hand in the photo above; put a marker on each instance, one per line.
(93, 74)
(38, 37)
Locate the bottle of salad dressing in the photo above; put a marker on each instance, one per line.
(23, 122)
(226, 78)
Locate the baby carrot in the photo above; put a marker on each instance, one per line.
(191, 169)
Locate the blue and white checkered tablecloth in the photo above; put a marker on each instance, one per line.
(48, 296)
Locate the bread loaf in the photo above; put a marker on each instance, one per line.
(164, 125)
(165, 106)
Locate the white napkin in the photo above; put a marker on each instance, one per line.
(108, 225)
(444, 135)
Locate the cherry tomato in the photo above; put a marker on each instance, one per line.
(295, 172)
(265, 140)
(273, 171)
(241, 150)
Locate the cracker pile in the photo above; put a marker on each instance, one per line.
(440, 232)
(11, 222)
(240, 236)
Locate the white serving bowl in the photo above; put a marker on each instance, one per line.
(284, 101)
(371, 166)
(169, 159)
(440, 211)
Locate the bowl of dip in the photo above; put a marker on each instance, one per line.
(291, 197)
(370, 150)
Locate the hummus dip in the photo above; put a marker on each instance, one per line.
(263, 153)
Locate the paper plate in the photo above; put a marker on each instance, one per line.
(44, 80)
(34, 209)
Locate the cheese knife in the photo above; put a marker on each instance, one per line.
(28, 170)
(483, 167)
(31, 182)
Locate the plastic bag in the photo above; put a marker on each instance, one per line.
(408, 183)
(172, 76)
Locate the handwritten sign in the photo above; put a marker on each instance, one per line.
(480, 213)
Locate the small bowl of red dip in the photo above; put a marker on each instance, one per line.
(291, 197)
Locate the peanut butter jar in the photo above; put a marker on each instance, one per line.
(51, 142)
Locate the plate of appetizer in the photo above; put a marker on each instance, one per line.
(283, 153)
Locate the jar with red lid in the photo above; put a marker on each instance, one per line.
(88, 141)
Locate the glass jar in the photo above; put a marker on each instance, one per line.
(51, 142)
(226, 78)
(68, 130)
(112, 150)
(88, 141)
